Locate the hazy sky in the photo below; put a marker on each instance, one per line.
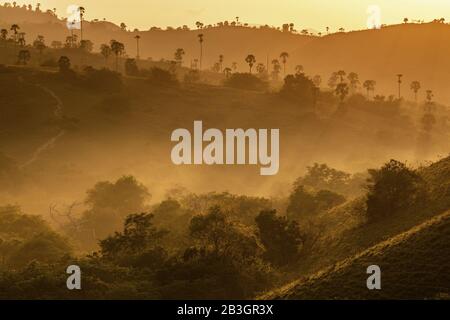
(315, 14)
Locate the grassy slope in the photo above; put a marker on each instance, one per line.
(414, 264)
(353, 236)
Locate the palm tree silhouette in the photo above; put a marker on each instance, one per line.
(317, 79)
(341, 91)
(4, 35)
(15, 28)
(64, 64)
(415, 87)
(39, 44)
(24, 57)
(118, 49)
(22, 41)
(353, 79)
(227, 72)
(221, 58)
(105, 50)
(137, 37)
(260, 68)
(430, 96)
(299, 69)
(369, 85)
(200, 40)
(81, 10)
(399, 76)
(251, 60)
(179, 56)
(276, 69)
(341, 74)
(284, 56)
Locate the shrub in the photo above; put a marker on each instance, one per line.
(161, 77)
(281, 238)
(245, 81)
(304, 204)
(299, 88)
(102, 79)
(393, 188)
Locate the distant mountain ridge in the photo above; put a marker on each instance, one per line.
(418, 51)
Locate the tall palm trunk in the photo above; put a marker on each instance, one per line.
(201, 55)
(137, 48)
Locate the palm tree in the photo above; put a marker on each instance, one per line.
(260, 68)
(299, 69)
(284, 56)
(399, 81)
(39, 44)
(200, 40)
(81, 10)
(118, 49)
(234, 66)
(341, 74)
(15, 28)
(415, 87)
(221, 58)
(353, 79)
(251, 60)
(64, 64)
(194, 64)
(430, 96)
(22, 41)
(341, 91)
(369, 85)
(105, 50)
(179, 56)
(24, 57)
(276, 69)
(86, 45)
(227, 72)
(4, 35)
(137, 37)
(317, 79)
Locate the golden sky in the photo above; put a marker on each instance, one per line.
(314, 14)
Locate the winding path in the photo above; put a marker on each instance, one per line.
(58, 113)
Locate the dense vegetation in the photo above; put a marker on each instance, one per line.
(74, 119)
(211, 245)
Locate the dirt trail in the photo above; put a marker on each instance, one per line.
(58, 113)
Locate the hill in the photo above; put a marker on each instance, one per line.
(414, 265)
(138, 119)
(419, 51)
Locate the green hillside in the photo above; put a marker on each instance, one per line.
(414, 265)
